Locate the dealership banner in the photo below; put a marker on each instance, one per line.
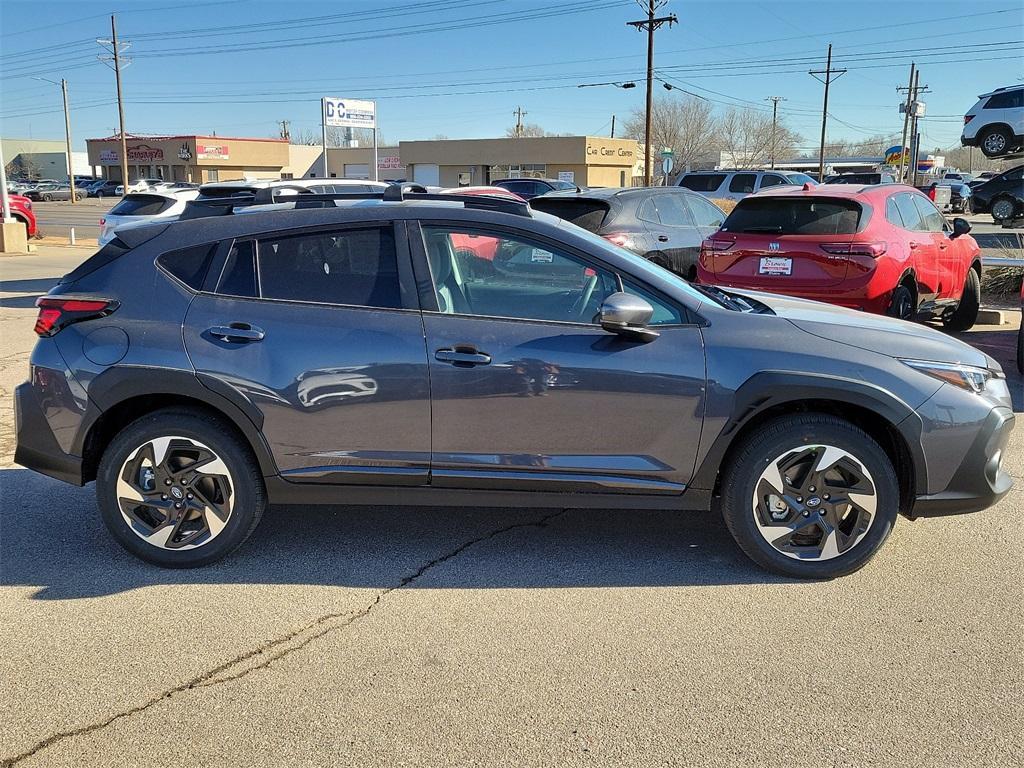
(389, 162)
(349, 113)
(211, 152)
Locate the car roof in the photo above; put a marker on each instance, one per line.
(833, 190)
(265, 183)
(1001, 90)
(170, 194)
(533, 178)
(605, 193)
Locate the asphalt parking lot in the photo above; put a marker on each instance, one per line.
(434, 637)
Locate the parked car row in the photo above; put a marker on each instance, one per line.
(482, 351)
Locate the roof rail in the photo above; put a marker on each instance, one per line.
(223, 206)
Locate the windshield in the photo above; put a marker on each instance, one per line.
(799, 178)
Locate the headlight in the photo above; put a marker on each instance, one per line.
(967, 377)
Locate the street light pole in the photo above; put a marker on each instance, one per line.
(63, 85)
(775, 114)
(649, 25)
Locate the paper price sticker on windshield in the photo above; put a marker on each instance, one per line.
(775, 265)
(545, 257)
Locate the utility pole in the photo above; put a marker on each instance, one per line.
(67, 138)
(915, 140)
(649, 25)
(519, 121)
(115, 49)
(612, 136)
(827, 72)
(906, 122)
(775, 114)
(284, 130)
(67, 130)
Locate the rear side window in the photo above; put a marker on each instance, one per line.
(589, 214)
(1005, 100)
(354, 267)
(742, 182)
(141, 205)
(892, 213)
(702, 182)
(188, 264)
(672, 210)
(795, 216)
(705, 214)
(770, 180)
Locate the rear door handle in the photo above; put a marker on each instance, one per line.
(238, 332)
(463, 357)
(914, 244)
(663, 238)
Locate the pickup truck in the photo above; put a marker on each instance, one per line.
(939, 194)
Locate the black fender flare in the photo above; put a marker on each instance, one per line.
(121, 383)
(767, 389)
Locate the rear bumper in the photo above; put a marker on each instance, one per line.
(37, 448)
(979, 481)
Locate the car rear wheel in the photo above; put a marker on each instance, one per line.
(966, 313)
(179, 490)
(1003, 208)
(810, 496)
(995, 142)
(47, 198)
(902, 303)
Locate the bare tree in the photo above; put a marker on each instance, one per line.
(529, 131)
(686, 125)
(745, 137)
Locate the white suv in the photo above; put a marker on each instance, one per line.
(996, 122)
(728, 184)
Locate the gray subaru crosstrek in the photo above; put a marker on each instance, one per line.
(432, 349)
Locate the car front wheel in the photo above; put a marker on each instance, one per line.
(966, 313)
(179, 489)
(810, 496)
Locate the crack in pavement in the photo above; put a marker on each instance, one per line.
(280, 647)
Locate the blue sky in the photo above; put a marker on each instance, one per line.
(238, 67)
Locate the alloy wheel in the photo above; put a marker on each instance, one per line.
(1002, 209)
(995, 142)
(815, 502)
(175, 493)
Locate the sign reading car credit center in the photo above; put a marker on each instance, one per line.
(349, 113)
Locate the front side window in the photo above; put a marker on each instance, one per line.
(909, 214)
(933, 221)
(664, 312)
(506, 276)
(356, 267)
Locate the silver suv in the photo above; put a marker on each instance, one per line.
(737, 184)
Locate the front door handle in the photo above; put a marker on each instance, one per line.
(663, 238)
(237, 332)
(463, 357)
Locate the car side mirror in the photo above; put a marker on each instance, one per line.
(960, 227)
(627, 315)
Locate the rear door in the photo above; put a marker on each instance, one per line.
(924, 252)
(676, 234)
(949, 261)
(787, 242)
(320, 331)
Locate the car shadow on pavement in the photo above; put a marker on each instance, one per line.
(36, 285)
(53, 540)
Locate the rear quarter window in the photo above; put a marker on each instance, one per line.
(589, 214)
(141, 205)
(189, 265)
(795, 216)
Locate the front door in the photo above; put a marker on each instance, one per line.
(321, 332)
(529, 393)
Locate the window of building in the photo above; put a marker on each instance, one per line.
(518, 171)
(354, 267)
(287, 176)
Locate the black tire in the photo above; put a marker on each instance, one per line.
(47, 199)
(248, 498)
(787, 433)
(995, 141)
(902, 303)
(99, 194)
(966, 313)
(1002, 208)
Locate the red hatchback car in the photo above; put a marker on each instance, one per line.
(882, 248)
(21, 209)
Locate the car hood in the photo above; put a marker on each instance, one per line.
(874, 333)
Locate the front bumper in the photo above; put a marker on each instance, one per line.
(979, 481)
(37, 448)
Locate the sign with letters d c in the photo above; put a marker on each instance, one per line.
(349, 113)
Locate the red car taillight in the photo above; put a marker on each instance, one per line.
(716, 245)
(874, 250)
(56, 313)
(968, 118)
(102, 222)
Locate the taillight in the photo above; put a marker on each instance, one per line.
(56, 313)
(874, 250)
(620, 239)
(932, 193)
(968, 118)
(716, 245)
(102, 222)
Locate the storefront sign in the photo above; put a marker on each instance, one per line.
(184, 153)
(349, 113)
(108, 156)
(211, 152)
(604, 152)
(143, 153)
(569, 176)
(390, 162)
